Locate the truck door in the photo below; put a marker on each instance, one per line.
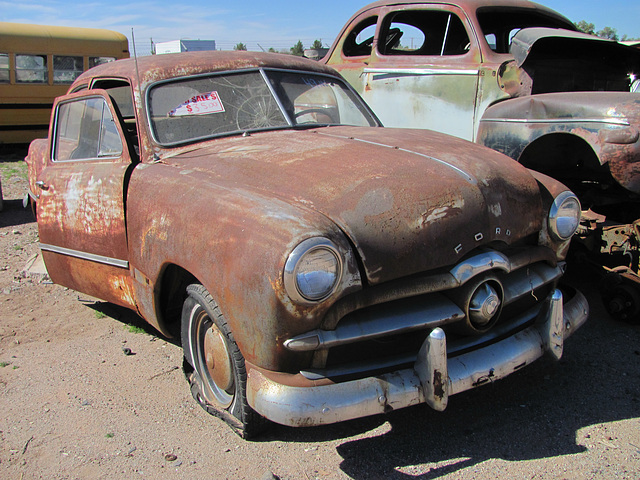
(82, 194)
(424, 69)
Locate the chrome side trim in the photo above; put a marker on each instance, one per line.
(92, 257)
(606, 121)
(423, 71)
(318, 405)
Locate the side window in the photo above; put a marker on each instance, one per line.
(121, 96)
(66, 68)
(85, 129)
(423, 32)
(359, 41)
(94, 61)
(492, 41)
(31, 69)
(4, 68)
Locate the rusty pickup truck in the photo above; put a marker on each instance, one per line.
(517, 77)
(315, 266)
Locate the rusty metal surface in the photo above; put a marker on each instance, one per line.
(467, 5)
(511, 103)
(376, 200)
(525, 41)
(368, 189)
(227, 212)
(552, 98)
(607, 121)
(281, 399)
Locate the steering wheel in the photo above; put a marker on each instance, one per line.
(321, 111)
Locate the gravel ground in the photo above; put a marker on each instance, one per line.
(74, 406)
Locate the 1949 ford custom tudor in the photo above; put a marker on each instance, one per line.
(316, 266)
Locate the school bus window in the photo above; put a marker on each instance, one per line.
(66, 69)
(94, 61)
(4, 68)
(31, 69)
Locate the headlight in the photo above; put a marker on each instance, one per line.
(312, 271)
(564, 216)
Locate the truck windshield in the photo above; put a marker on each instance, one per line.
(195, 108)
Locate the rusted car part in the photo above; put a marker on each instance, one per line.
(517, 77)
(251, 204)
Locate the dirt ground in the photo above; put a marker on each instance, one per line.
(74, 406)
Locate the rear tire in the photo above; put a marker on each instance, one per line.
(214, 364)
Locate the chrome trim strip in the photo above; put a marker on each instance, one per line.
(427, 312)
(423, 71)
(606, 121)
(464, 174)
(385, 320)
(318, 405)
(478, 264)
(406, 288)
(92, 257)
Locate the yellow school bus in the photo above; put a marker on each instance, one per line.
(38, 63)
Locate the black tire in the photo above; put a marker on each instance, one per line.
(214, 364)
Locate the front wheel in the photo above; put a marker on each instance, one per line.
(218, 375)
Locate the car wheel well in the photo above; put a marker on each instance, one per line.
(171, 296)
(567, 158)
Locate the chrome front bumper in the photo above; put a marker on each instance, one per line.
(432, 379)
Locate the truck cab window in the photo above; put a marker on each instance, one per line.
(85, 129)
(423, 32)
(360, 40)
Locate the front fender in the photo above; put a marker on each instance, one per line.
(235, 242)
(608, 122)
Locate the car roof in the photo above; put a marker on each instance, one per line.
(468, 5)
(149, 69)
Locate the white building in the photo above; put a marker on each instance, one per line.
(176, 46)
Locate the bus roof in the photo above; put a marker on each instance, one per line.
(28, 38)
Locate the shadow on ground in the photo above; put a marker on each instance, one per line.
(14, 214)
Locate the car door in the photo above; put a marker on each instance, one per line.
(81, 200)
(423, 68)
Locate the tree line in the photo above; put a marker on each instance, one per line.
(606, 32)
(297, 49)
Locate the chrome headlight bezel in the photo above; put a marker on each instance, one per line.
(561, 225)
(311, 246)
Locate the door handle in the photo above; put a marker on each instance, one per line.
(41, 185)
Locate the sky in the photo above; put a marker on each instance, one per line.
(256, 23)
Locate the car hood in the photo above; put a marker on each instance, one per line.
(408, 200)
(529, 43)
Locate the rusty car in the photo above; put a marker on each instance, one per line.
(315, 266)
(519, 78)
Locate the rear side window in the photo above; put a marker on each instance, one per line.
(423, 32)
(360, 40)
(85, 129)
